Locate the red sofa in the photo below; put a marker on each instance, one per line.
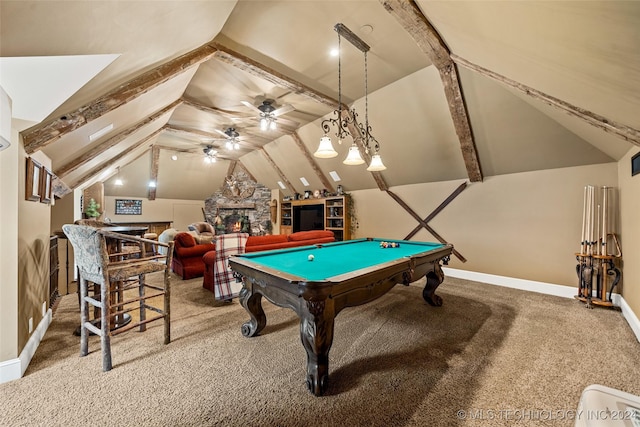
(187, 256)
(267, 243)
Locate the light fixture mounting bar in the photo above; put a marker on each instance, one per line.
(351, 37)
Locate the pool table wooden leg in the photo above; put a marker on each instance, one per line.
(316, 333)
(434, 278)
(252, 302)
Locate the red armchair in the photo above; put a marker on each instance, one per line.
(187, 256)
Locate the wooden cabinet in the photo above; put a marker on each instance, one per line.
(332, 213)
(337, 217)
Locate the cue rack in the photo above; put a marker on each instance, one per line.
(600, 255)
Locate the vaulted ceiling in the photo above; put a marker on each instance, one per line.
(457, 90)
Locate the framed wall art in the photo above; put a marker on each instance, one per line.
(33, 180)
(45, 185)
(128, 207)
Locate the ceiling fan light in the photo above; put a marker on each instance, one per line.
(264, 123)
(273, 125)
(353, 157)
(236, 146)
(376, 164)
(325, 149)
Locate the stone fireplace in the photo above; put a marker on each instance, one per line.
(242, 205)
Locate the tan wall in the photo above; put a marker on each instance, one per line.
(630, 231)
(34, 220)
(180, 212)
(9, 251)
(525, 225)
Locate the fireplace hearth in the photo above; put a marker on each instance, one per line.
(250, 215)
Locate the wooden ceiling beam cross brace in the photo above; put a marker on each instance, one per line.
(115, 159)
(408, 14)
(437, 210)
(255, 68)
(155, 160)
(112, 142)
(622, 131)
(422, 223)
(277, 169)
(230, 115)
(325, 182)
(191, 132)
(43, 134)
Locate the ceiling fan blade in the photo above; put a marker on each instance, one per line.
(283, 110)
(250, 105)
(288, 123)
(222, 133)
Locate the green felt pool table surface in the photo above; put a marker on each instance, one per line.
(335, 259)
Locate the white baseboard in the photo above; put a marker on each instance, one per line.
(543, 288)
(14, 369)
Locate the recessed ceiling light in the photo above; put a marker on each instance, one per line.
(334, 175)
(304, 181)
(334, 51)
(174, 157)
(102, 132)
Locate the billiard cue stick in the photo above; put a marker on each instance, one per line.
(581, 251)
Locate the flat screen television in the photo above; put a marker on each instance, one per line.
(308, 217)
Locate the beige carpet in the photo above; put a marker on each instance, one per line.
(504, 357)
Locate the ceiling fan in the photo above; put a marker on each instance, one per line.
(269, 115)
(210, 154)
(232, 138)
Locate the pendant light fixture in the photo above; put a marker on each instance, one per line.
(346, 123)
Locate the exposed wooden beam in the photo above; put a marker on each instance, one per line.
(408, 14)
(155, 160)
(423, 223)
(325, 182)
(232, 167)
(59, 188)
(229, 115)
(43, 134)
(189, 132)
(247, 64)
(115, 159)
(277, 169)
(112, 142)
(622, 131)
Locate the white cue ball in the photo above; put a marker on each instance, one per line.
(310, 257)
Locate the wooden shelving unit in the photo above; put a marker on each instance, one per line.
(336, 215)
(286, 217)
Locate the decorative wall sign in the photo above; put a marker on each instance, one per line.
(32, 183)
(128, 207)
(45, 185)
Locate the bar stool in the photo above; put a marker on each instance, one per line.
(93, 252)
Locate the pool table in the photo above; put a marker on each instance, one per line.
(318, 281)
